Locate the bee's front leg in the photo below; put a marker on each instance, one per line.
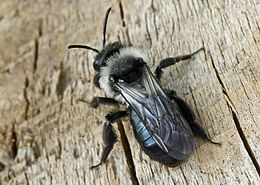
(171, 61)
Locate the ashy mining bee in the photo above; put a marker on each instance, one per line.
(163, 123)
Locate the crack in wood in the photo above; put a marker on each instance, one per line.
(59, 150)
(154, 20)
(148, 33)
(121, 13)
(184, 177)
(236, 121)
(35, 55)
(195, 103)
(61, 83)
(122, 16)
(27, 102)
(26, 178)
(36, 150)
(128, 153)
(244, 140)
(2, 166)
(14, 147)
(128, 37)
(36, 52)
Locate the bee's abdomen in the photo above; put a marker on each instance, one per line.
(148, 144)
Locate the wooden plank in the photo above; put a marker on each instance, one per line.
(48, 137)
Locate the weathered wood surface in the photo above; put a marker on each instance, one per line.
(47, 137)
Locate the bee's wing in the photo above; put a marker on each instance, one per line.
(160, 115)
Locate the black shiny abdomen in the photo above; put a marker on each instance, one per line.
(148, 144)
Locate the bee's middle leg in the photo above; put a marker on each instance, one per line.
(96, 101)
(109, 134)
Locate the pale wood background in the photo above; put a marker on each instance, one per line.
(47, 137)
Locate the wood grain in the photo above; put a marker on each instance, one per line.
(48, 137)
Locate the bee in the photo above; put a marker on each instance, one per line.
(163, 123)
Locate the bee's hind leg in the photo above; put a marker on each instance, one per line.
(189, 116)
(171, 61)
(199, 131)
(185, 108)
(109, 134)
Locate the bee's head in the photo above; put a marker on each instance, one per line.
(107, 51)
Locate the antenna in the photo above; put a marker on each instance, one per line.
(83, 46)
(105, 25)
(104, 36)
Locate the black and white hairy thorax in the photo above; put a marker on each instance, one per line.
(126, 55)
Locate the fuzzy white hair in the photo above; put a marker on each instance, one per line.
(111, 61)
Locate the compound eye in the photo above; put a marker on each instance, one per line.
(96, 66)
(112, 79)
